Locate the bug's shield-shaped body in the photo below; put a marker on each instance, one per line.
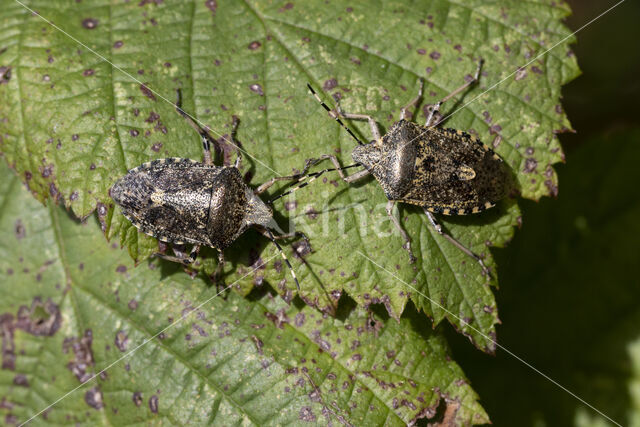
(444, 170)
(184, 201)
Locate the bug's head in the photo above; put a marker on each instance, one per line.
(368, 155)
(258, 212)
(133, 192)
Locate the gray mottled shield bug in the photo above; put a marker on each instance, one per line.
(445, 171)
(182, 201)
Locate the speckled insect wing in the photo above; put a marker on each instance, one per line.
(455, 174)
(168, 199)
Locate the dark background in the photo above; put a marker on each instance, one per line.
(570, 290)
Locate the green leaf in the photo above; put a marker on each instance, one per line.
(74, 305)
(72, 123)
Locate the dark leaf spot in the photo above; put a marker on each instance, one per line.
(301, 248)
(147, 92)
(153, 404)
(137, 398)
(89, 23)
(553, 189)
(493, 130)
(530, 165)
(153, 116)
(330, 84)
(257, 89)
(102, 211)
(21, 380)
(19, 229)
(53, 191)
(212, 5)
(121, 341)
(306, 414)
(520, 74)
(5, 74)
(93, 398)
(83, 355)
(287, 6)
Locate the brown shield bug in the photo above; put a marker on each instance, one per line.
(183, 201)
(445, 171)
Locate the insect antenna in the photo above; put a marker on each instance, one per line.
(284, 256)
(307, 179)
(335, 116)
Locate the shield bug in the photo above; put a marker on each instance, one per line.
(183, 201)
(444, 171)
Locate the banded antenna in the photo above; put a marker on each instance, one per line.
(307, 179)
(335, 116)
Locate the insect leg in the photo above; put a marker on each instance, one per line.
(292, 234)
(265, 186)
(269, 235)
(234, 141)
(333, 115)
(372, 123)
(436, 107)
(219, 268)
(457, 244)
(207, 139)
(412, 103)
(396, 222)
(357, 176)
(180, 257)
